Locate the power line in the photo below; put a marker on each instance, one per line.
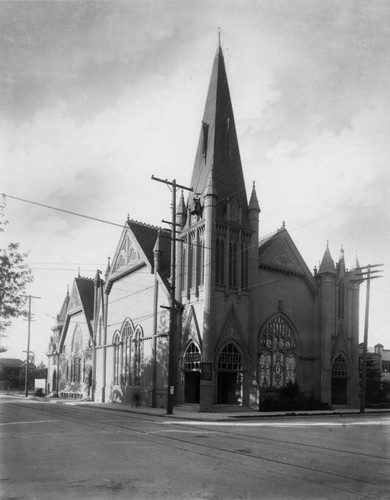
(70, 212)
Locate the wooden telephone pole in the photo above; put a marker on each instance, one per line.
(30, 297)
(366, 273)
(172, 307)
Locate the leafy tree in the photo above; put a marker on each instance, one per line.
(374, 386)
(15, 275)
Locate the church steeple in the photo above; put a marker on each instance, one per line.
(327, 264)
(218, 146)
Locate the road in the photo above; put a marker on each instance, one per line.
(72, 451)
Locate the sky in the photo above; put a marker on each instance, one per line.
(96, 97)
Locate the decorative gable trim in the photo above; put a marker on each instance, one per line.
(231, 331)
(191, 328)
(74, 301)
(128, 255)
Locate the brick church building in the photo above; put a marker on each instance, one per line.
(249, 314)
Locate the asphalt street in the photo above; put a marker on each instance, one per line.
(57, 450)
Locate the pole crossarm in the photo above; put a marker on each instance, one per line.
(172, 183)
(365, 274)
(30, 297)
(173, 309)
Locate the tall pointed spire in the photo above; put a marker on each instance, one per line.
(327, 264)
(253, 202)
(218, 145)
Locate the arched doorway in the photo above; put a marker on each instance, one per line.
(192, 374)
(340, 381)
(230, 378)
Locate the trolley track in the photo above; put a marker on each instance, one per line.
(189, 442)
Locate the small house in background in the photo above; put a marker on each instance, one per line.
(10, 374)
(378, 374)
(13, 373)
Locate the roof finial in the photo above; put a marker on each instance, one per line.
(79, 273)
(219, 37)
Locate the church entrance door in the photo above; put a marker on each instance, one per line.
(229, 388)
(230, 378)
(339, 391)
(192, 374)
(192, 387)
(340, 381)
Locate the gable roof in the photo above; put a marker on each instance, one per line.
(136, 247)
(85, 288)
(218, 145)
(11, 362)
(277, 252)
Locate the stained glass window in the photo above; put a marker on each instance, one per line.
(137, 357)
(277, 355)
(117, 347)
(127, 333)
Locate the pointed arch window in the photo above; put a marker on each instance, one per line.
(230, 358)
(340, 367)
(233, 263)
(138, 356)
(277, 354)
(76, 355)
(192, 358)
(201, 256)
(205, 134)
(126, 335)
(227, 136)
(341, 299)
(220, 261)
(184, 278)
(244, 266)
(117, 354)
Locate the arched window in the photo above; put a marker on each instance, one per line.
(76, 355)
(230, 358)
(340, 367)
(117, 357)
(278, 354)
(341, 299)
(192, 358)
(201, 256)
(138, 356)
(220, 261)
(244, 266)
(126, 334)
(233, 263)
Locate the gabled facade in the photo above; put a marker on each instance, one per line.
(70, 352)
(250, 316)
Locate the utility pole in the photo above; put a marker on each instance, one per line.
(172, 308)
(28, 341)
(366, 273)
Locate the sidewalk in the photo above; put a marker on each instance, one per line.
(187, 413)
